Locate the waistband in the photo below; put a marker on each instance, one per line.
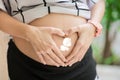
(17, 55)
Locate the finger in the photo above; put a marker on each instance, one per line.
(57, 31)
(76, 49)
(82, 53)
(55, 58)
(76, 58)
(56, 50)
(66, 32)
(41, 58)
(73, 30)
(72, 61)
(53, 30)
(49, 59)
(38, 46)
(58, 53)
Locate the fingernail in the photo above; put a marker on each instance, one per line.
(65, 65)
(66, 33)
(70, 65)
(58, 65)
(63, 34)
(44, 63)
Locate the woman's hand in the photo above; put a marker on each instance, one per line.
(86, 34)
(43, 44)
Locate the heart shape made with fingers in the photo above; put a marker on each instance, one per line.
(65, 44)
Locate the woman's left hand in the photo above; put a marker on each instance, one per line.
(86, 34)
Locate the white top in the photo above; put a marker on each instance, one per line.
(28, 10)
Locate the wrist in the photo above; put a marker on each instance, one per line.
(92, 26)
(98, 27)
(29, 32)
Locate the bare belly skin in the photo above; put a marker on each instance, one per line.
(61, 21)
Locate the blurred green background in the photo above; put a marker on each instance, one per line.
(106, 47)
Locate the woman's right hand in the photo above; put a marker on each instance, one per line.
(44, 46)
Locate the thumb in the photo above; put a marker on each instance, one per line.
(57, 31)
(73, 30)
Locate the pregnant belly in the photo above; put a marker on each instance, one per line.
(53, 20)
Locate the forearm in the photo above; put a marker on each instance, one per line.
(12, 26)
(98, 11)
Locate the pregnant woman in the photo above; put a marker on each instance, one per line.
(50, 39)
